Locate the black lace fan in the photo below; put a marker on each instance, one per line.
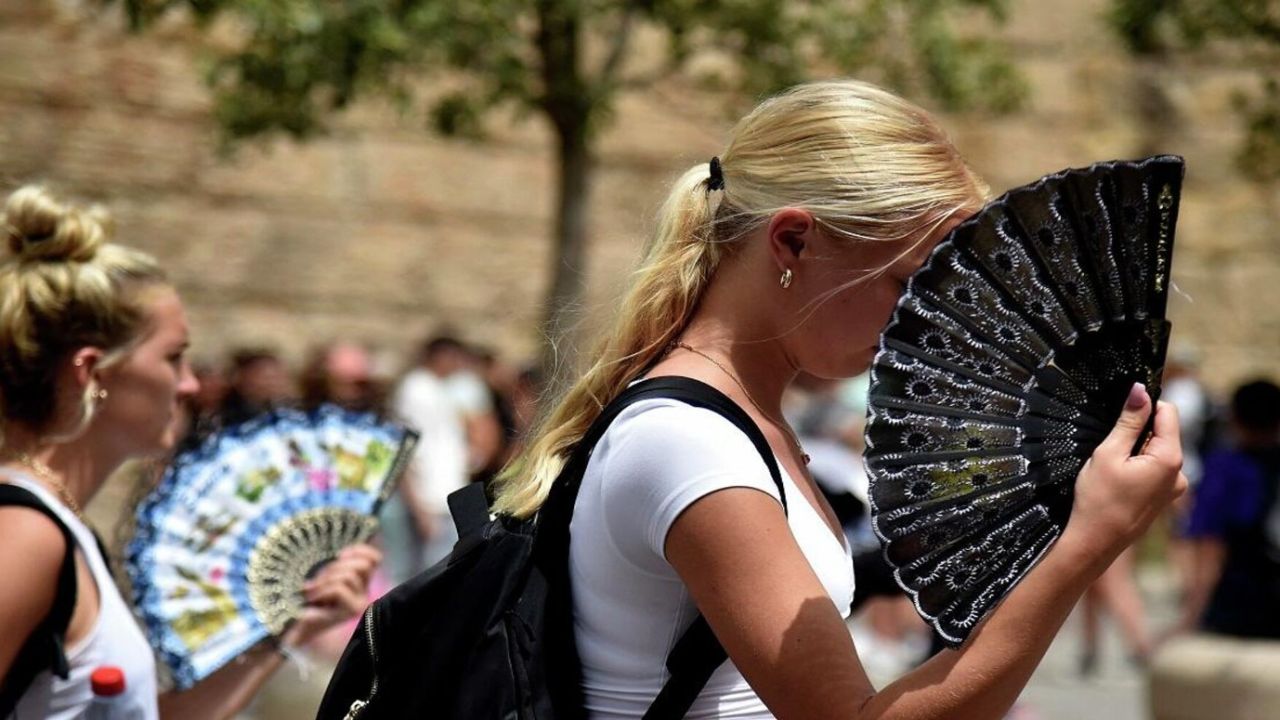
(1007, 361)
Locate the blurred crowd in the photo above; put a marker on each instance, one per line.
(470, 407)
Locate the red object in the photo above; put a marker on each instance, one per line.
(107, 681)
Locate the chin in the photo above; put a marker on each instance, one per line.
(848, 367)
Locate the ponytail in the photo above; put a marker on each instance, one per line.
(677, 266)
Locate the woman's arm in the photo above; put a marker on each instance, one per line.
(736, 554)
(337, 593)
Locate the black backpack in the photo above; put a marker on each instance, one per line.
(45, 648)
(488, 631)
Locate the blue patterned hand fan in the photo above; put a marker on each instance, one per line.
(225, 542)
(1007, 361)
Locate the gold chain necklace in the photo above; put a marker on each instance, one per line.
(46, 473)
(782, 425)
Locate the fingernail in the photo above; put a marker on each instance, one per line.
(1137, 397)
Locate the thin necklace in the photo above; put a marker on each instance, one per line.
(779, 424)
(46, 473)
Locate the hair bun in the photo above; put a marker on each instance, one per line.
(40, 226)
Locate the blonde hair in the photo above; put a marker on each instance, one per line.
(868, 165)
(62, 287)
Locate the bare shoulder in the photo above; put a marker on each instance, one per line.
(34, 552)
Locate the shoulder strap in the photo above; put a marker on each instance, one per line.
(47, 644)
(697, 653)
(686, 390)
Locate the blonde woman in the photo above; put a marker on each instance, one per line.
(93, 368)
(785, 255)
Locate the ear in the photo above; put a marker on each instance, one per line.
(791, 234)
(84, 365)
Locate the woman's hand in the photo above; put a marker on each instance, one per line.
(1117, 495)
(337, 593)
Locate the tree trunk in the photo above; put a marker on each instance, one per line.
(568, 103)
(568, 272)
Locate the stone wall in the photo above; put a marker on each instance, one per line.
(381, 232)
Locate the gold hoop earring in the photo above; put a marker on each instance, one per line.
(785, 280)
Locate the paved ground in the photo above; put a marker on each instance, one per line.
(1117, 691)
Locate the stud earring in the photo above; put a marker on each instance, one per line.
(785, 280)
(101, 394)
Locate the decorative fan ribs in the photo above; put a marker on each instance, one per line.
(1006, 363)
(225, 542)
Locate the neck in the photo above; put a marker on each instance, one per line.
(762, 366)
(80, 468)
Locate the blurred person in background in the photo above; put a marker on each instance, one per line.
(1182, 389)
(339, 373)
(467, 383)
(93, 372)
(1116, 593)
(501, 379)
(416, 524)
(525, 398)
(258, 381)
(1235, 524)
(213, 388)
(201, 411)
(1199, 413)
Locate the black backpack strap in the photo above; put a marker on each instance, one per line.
(692, 662)
(469, 508)
(686, 390)
(697, 653)
(45, 648)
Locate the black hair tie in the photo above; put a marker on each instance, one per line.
(716, 180)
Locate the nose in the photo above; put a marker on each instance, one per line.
(188, 383)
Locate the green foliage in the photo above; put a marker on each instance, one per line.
(1260, 156)
(1166, 27)
(299, 60)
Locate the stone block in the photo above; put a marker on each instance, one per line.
(102, 147)
(1205, 676)
(459, 177)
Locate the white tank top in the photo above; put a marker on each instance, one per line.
(630, 606)
(115, 639)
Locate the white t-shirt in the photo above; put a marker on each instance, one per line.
(469, 392)
(423, 403)
(115, 639)
(630, 606)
